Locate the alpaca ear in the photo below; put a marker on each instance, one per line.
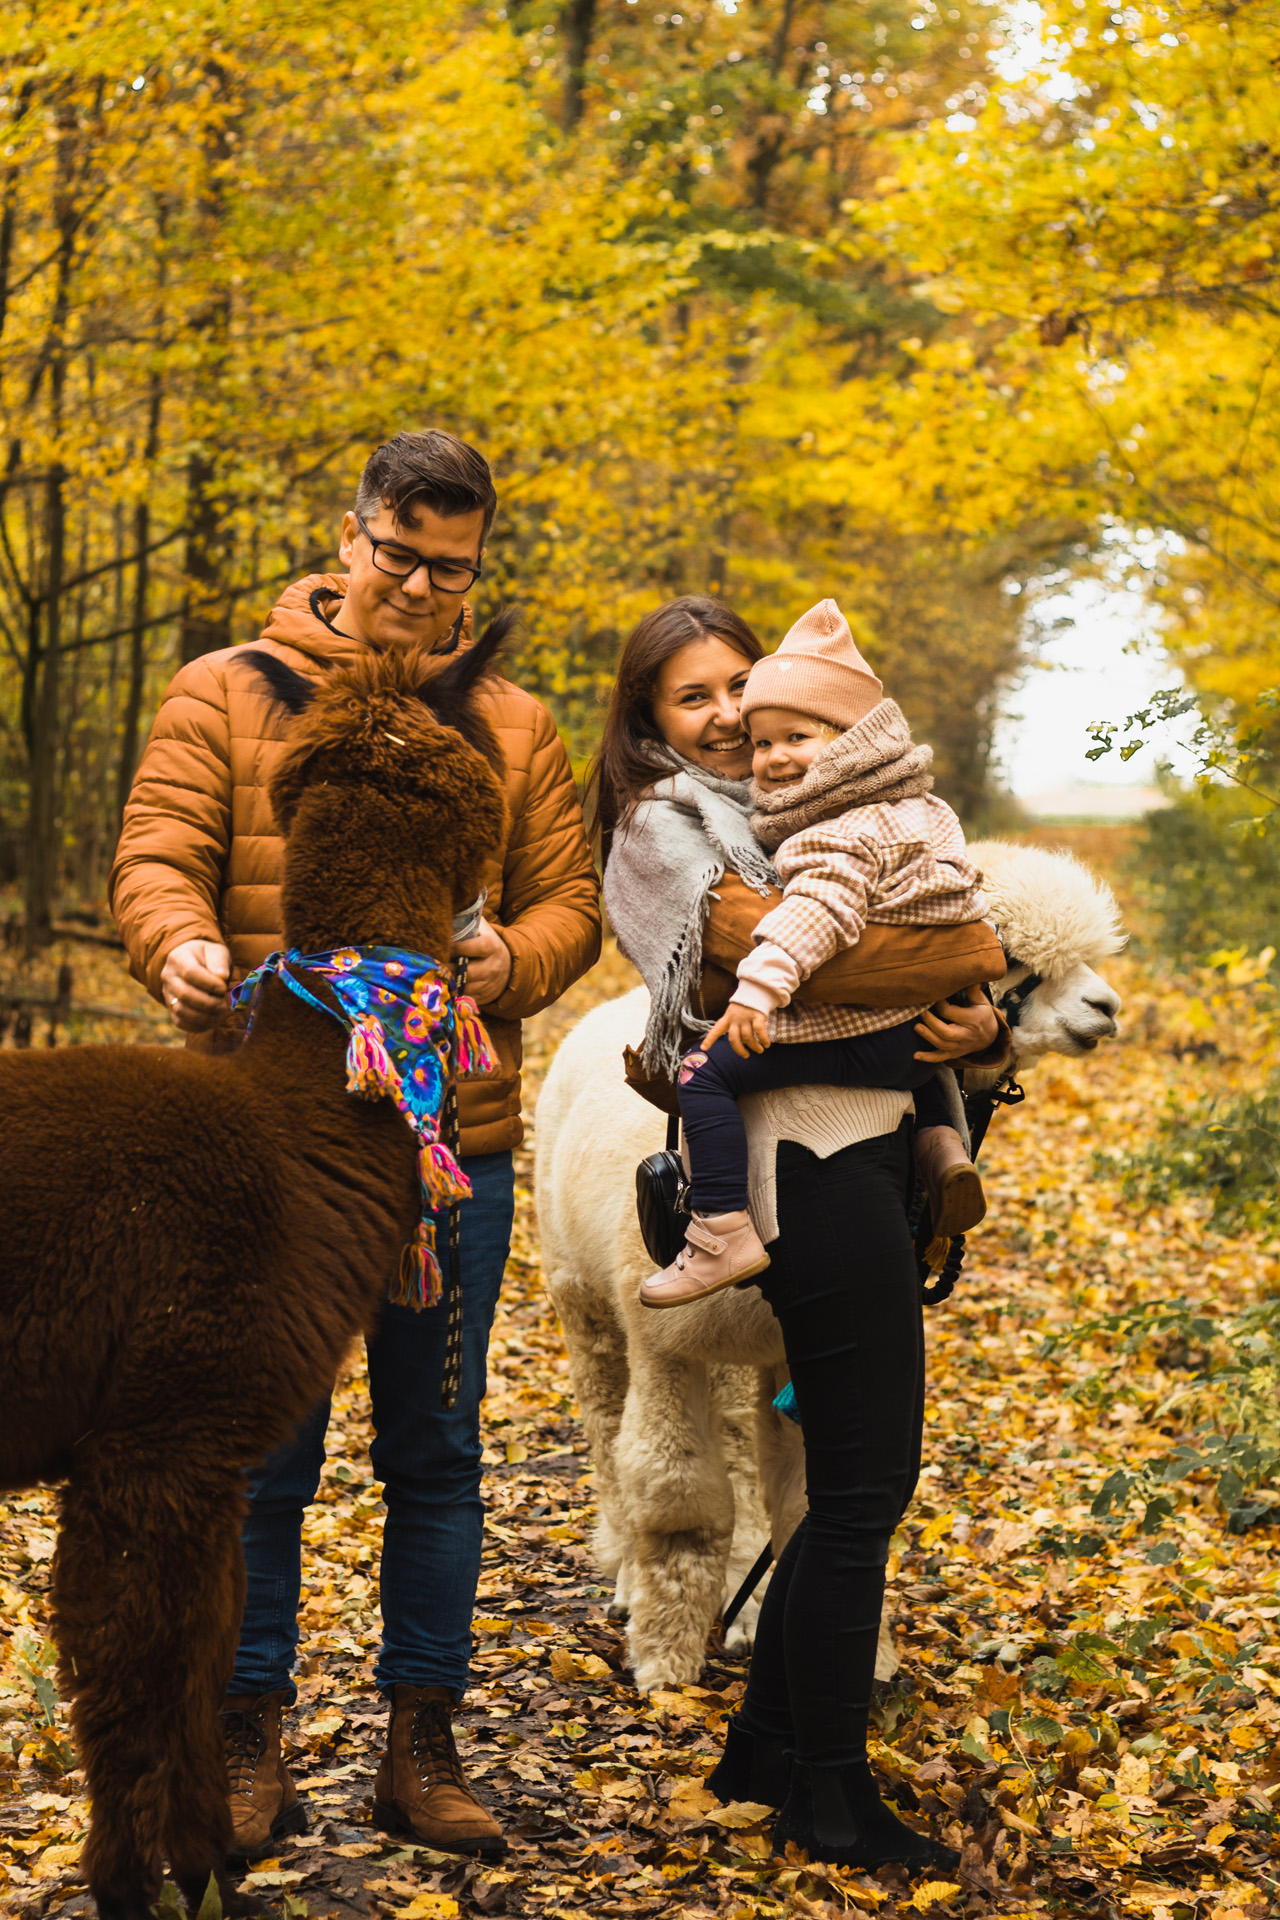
(294, 691)
(449, 694)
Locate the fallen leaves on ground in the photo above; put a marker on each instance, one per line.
(1093, 1721)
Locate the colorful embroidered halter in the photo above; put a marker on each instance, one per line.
(405, 1022)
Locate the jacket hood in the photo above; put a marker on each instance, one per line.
(295, 620)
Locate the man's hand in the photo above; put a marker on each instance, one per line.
(955, 1029)
(194, 984)
(747, 1030)
(488, 964)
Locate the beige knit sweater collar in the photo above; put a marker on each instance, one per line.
(874, 762)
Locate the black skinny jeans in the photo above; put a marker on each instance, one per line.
(712, 1083)
(844, 1288)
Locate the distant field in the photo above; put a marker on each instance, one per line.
(1101, 843)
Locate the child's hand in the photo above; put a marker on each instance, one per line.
(746, 1029)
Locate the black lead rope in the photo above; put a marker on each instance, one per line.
(933, 1293)
(451, 1384)
(980, 1106)
(748, 1586)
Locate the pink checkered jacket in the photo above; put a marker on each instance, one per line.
(898, 862)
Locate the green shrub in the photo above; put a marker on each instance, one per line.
(1234, 1386)
(1227, 1150)
(1206, 877)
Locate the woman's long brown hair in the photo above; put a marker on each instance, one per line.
(631, 744)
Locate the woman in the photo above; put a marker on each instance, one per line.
(672, 802)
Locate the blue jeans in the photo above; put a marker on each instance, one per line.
(429, 1463)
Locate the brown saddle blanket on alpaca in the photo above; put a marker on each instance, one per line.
(889, 967)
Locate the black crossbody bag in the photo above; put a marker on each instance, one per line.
(662, 1199)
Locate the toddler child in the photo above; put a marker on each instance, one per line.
(842, 793)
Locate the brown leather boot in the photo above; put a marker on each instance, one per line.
(421, 1788)
(956, 1199)
(264, 1801)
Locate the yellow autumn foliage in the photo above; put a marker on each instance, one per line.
(772, 302)
(1107, 232)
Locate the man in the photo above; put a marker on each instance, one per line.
(195, 891)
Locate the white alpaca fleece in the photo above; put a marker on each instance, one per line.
(694, 1469)
(1052, 913)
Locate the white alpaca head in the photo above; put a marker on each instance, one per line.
(1058, 920)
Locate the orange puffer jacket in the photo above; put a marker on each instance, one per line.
(200, 857)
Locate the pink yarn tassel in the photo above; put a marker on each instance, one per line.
(443, 1180)
(370, 1071)
(418, 1283)
(475, 1051)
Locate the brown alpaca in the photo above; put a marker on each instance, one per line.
(189, 1243)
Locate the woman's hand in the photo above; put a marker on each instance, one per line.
(956, 1029)
(488, 964)
(747, 1030)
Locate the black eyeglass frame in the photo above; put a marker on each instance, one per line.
(458, 566)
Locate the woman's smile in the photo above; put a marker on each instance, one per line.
(696, 702)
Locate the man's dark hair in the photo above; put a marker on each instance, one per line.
(432, 469)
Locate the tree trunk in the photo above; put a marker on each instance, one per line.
(42, 790)
(9, 207)
(31, 661)
(764, 158)
(138, 637)
(206, 618)
(578, 21)
(104, 816)
(71, 759)
(781, 38)
(137, 663)
(128, 762)
(206, 612)
(42, 823)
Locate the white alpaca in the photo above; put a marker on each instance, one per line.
(694, 1470)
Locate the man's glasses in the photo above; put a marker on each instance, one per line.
(446, 576)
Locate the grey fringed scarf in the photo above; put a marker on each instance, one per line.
(669, 853)
(874, 761)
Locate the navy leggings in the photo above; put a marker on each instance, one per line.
(844, 1288)
(711, 1084)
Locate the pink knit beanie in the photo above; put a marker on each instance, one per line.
(817, 670)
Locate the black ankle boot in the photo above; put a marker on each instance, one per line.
(836, 1815)
(752, 1767)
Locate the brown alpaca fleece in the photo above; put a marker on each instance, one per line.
(188, 1245)
(353, 734)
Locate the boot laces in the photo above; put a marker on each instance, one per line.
(432, 1745)
(246, 1743)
